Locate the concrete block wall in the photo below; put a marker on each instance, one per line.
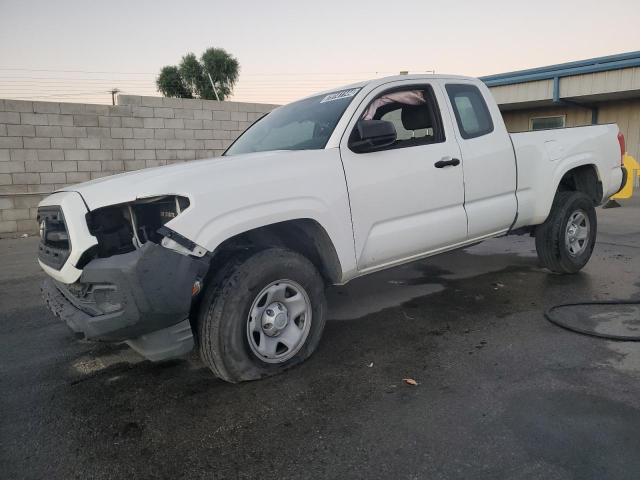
(45, 145)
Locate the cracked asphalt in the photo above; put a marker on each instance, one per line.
(501, 393)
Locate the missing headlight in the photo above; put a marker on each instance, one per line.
(112, 227)
(151, 214)
(123, 228)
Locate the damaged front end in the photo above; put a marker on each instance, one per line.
(123, 228)
(137, 283)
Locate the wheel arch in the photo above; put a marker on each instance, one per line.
(585, 179)
(302, 235)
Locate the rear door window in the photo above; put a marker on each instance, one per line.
(470, 109)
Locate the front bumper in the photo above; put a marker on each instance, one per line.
(142, 297)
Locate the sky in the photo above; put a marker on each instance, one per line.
(76, 50)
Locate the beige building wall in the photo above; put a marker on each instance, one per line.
(626, 113)
(613, 82)
(622, 80)
(523, 92)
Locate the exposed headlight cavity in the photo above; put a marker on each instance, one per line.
(123, 228)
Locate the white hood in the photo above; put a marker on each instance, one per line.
(179, 179)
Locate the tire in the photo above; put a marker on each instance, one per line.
(557, 240)
(238, 346)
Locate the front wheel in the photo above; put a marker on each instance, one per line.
(565, 240)
(263, 314)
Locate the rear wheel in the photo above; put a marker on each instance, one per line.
(263, 314)
(565, 241)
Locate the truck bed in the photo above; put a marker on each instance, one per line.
(544, 156)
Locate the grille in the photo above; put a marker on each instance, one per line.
(55, 246)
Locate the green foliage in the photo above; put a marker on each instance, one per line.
(191, 78)
(170, 83)
(224, 70)
(191, 73)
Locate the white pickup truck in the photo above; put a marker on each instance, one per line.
(233, 254)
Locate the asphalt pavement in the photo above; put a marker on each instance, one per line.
(501, 392)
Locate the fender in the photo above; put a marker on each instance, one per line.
(212, 233)
(540, 198)
(571, 163)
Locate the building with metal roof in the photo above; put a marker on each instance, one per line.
(597, 90)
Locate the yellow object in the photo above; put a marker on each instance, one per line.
(633, 170)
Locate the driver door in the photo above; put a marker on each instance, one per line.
(404, 202)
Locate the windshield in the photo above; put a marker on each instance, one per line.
(303, 125)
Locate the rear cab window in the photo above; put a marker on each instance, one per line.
(470, 109)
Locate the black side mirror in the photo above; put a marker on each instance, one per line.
(374, 135)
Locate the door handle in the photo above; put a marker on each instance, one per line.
(454, 162)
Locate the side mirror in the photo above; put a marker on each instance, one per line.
(374, 135)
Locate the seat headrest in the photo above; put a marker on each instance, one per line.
(416, 117)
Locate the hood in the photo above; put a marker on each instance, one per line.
(178, 179)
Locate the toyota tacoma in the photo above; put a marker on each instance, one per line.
(232, 255)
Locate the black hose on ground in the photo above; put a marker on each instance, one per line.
(549, 315)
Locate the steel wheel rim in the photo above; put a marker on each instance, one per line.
(576, 236)
(279, 321)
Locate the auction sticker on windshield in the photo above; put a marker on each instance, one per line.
(338, 95)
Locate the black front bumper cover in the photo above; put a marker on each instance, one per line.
(150, 289)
